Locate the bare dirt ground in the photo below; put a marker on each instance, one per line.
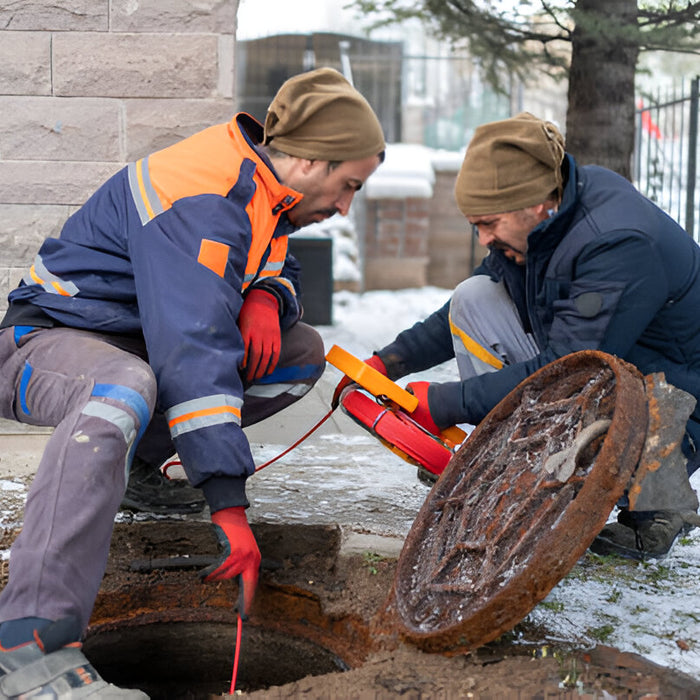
(519, 665)
(318, 629)
(314, 631)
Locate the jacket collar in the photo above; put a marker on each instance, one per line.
(549, 232)
(248, 133)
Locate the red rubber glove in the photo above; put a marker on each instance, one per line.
(259, 323)
(421, 413)
(240, 553)
(375, 362)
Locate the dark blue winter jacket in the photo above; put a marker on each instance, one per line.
(167, 249)
(610, 271)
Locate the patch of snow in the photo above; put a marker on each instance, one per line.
(407, 171)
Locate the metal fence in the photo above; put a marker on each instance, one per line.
(436, 100)
(666, 153)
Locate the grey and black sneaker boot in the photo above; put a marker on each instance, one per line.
(52, 667)
(640, 535)
(149, 491)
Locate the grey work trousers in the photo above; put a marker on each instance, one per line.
(99, 397)
(486, 329)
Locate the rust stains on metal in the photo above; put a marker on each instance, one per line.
(498, 530)
(659, 482)
(140, 589)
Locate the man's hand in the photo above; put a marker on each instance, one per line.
(240, 553)
(421, 413)
(375, 362)
(259, 323)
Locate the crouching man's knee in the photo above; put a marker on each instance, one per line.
(301, 364)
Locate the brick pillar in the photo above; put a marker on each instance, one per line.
(89, 85)
(396, 243)
(453, 251)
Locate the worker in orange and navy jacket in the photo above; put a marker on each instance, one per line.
(170, 289)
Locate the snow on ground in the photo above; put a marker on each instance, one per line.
(366, 322)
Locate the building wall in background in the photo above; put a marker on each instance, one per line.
(413, 241)
(88, 85)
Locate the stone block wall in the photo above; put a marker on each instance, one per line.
(89, 85)
(396, 243)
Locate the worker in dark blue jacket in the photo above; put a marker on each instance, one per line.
(578, 260)
(171, 291)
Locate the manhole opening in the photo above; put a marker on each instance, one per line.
(193, 660)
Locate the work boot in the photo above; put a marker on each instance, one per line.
(640, 535)
(53, 667)
(149, 491)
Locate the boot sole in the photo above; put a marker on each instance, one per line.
(604, 547)
(180, 509)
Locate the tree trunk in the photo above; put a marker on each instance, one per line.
(600, 116)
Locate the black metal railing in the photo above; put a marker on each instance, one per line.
(666, 153)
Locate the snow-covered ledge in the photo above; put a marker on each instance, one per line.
(407, 172)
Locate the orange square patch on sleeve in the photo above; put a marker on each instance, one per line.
(213, 255)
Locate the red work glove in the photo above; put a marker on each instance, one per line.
(259, 323)
(375, 362)
(421, 413)
(240, 553)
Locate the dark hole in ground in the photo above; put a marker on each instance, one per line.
(194, 660)
(166, 632)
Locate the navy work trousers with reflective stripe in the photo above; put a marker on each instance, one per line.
(99, 398)
(99, 394)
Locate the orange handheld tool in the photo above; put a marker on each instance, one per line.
(388, 418)
(368, 378)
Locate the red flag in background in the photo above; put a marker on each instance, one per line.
(648, 124)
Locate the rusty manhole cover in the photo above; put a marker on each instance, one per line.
(520, 502)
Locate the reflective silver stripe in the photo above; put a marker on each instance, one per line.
(145, 198)
(38, 274)
(203, 413)
(269, 391)
(273, 267)
(114, 415)
(200, 422)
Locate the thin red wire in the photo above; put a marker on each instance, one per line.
(176, 462)
(239, 621)
(299, 441)
(236, 654)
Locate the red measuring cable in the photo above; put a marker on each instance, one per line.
(239, 619)
(176, 462)
(298, 442)
(236, 654)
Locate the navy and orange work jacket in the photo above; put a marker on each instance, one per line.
(167, 247)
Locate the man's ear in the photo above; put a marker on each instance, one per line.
(306, 165)
(292, 169)
(542, 210)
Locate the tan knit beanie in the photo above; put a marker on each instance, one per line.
(509, 165)
(319, 115)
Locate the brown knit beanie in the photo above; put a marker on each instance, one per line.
(509, 165)
(319, 115)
